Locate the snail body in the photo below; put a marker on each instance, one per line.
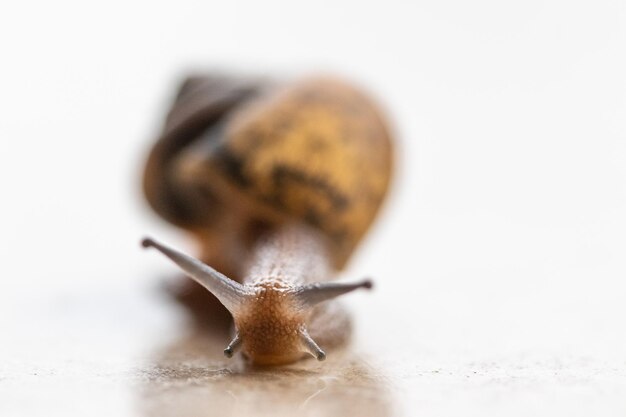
(279, 182)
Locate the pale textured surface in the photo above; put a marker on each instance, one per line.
(123, 350)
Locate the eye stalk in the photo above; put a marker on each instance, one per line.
(312, 294)
(229, 292)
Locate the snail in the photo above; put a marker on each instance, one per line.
(278, 182)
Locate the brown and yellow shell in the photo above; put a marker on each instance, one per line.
(315, 151)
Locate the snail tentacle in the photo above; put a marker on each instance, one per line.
(233, 346)
(310, 346)
(229, 292)
(312, 294)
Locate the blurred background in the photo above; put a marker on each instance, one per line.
(499, 257)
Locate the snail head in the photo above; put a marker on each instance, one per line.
(270, 318)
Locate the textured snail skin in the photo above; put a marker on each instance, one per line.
(269, 325)
(279, 182)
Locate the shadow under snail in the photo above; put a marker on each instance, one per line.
(278, 182)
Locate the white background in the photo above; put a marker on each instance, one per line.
(504, 240)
